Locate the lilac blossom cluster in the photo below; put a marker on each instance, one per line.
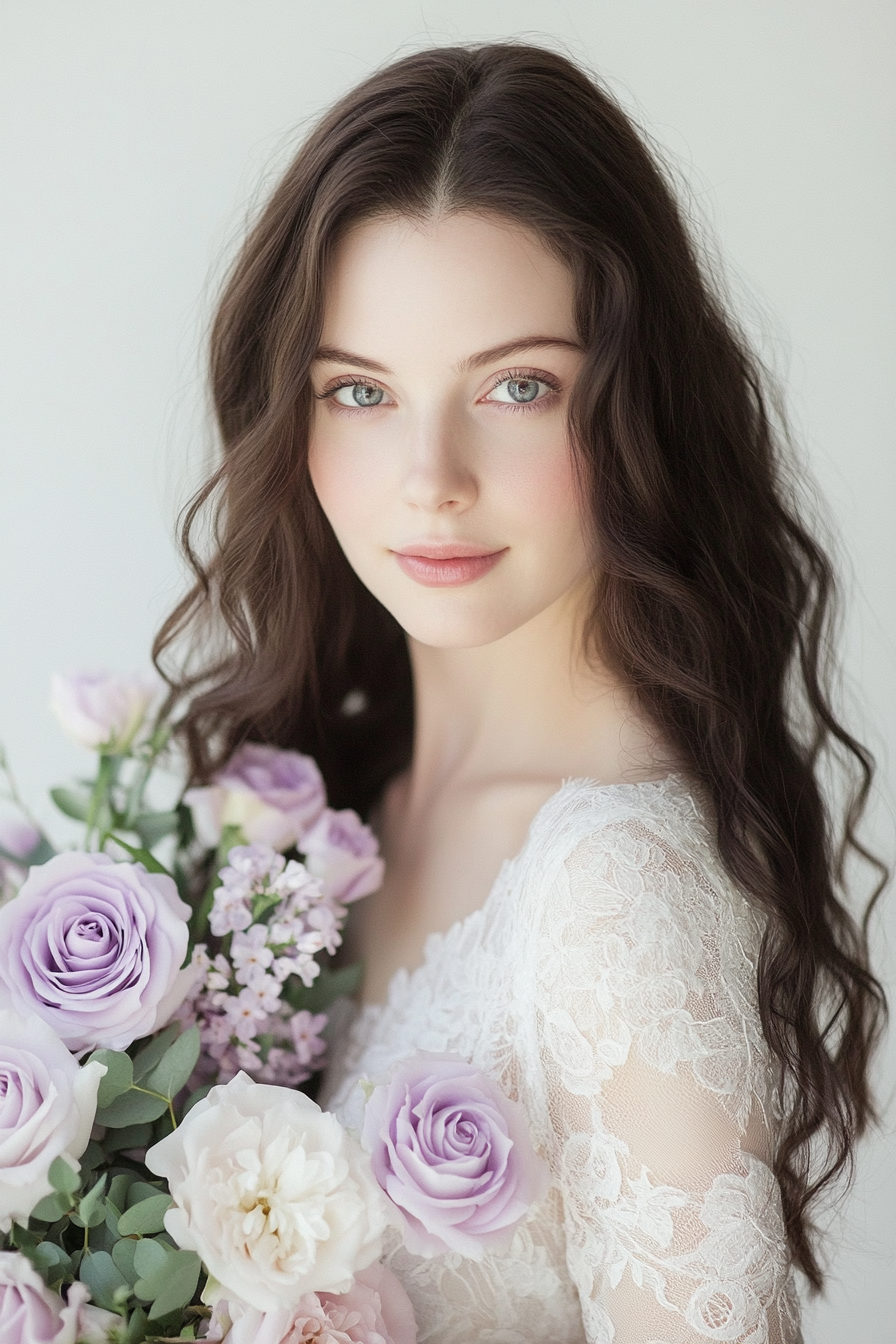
(274, 918)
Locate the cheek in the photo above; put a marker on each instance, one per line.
(537, 493)
(347, 484)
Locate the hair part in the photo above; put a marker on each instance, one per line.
(713, 601)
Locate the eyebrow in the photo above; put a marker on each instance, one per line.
(332, 354)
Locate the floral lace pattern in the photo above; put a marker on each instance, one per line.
(608, 983)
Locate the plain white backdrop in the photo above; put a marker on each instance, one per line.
(138, 134)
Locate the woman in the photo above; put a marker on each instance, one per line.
(502, 540)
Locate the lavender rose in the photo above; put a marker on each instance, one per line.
(454, 1154)
(343, 853)
(94, 949)
(272, 795)
(101, 711)
(30, 1313)
(47, 1106)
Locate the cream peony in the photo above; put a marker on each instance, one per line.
(272, 1193)
(47, 1106)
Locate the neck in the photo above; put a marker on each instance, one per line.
(527, 707)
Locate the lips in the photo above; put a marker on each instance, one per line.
(446, 564)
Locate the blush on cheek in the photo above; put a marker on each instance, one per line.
(539, 490)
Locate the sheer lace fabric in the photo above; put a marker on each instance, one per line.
(608, 984)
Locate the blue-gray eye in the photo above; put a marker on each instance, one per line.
(358, 394)
(523, 389)
(517, 390)
(364, 394)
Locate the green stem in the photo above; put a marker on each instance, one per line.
(104, 777)
(141, 779)
(147, 1092)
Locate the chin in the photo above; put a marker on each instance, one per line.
(448, 626)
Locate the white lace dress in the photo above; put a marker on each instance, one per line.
(608, 984)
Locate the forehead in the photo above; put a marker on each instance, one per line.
(443, 288)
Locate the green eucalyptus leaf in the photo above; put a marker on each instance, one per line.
(64, 1180)
(129, 1136)
(150, 1258)
(141, 1190)
(52, 1263)
(47, 1254)
(24, 1239)
(51, 1208)
(176, 1065)
(91, 1157)
(123, 1253)
(154, 826)
(181, 1276)
(92, 1208)
(101, 1239)
(118, 1190)
(136, 1331)
(131, 1108)
(74, 803)
(146, 1217)
(151, 1054)
(118, 1076)
(108, 1286)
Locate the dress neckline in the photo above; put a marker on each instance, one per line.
(439, 938)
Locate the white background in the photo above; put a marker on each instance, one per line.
(137, 135)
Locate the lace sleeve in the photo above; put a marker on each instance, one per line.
(657, 1088)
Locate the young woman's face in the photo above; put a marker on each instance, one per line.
(438, 446)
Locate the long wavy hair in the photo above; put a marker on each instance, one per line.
(712, 601)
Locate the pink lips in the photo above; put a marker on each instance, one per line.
(446, 564)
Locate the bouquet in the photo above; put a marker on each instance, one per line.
(162, 1175)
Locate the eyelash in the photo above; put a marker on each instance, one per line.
(505, 376)
(521, 375)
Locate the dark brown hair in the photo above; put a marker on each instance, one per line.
(712, 599)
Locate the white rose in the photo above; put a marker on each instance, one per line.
(272, 1193)
(31, 1313)
(103, 711)
(47, 1107)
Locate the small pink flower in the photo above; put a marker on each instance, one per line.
(250, 954)
(244, 1014)
(305, 1029)
(267, 992)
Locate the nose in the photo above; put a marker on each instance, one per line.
(438, 473)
